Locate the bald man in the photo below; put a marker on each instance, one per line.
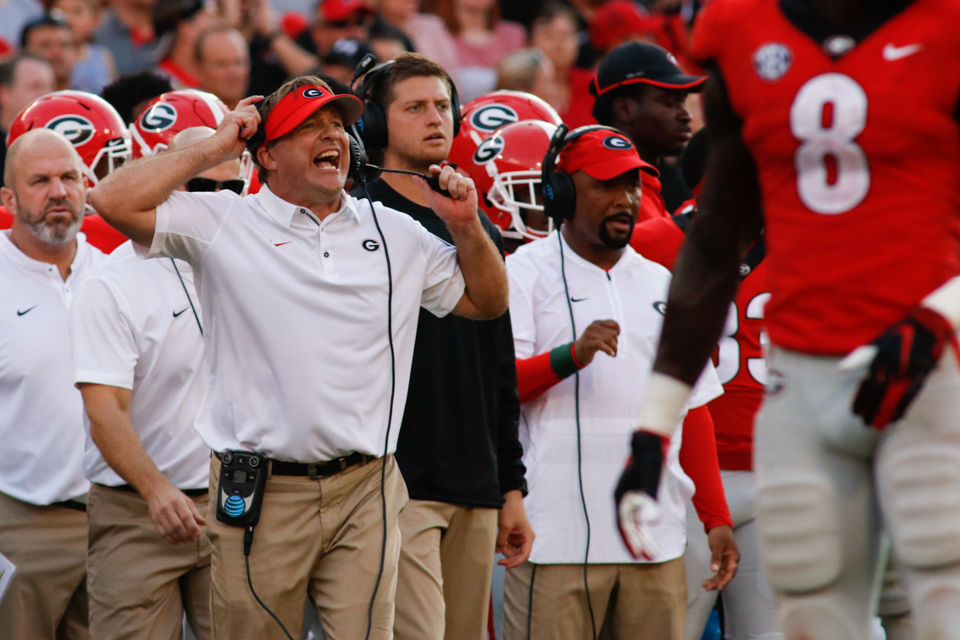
(138, 362)
(43, 524)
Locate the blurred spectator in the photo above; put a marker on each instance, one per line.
(130, 94)
(179, 63)
(428, 32)
(620, 21)
(387, 41)
(13, 15)
(336, 19)
(554, 32)
(343, 58)
(528, 70)
(223, 63)
(127, 30)
(50, 37)
(23, 78)
(482, 40)
(94, 67)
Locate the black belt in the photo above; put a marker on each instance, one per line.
(76, 505)
(192, 493)
(316, 469)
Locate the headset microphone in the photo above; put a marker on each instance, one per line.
(433, 181)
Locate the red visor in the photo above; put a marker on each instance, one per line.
(601, 154)
(303, 102)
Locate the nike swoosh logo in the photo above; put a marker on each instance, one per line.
(26, 311)
(280, 244)
(577, 299)
(892, 52)
(176, 314)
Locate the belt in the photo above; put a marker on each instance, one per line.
(192, 493)
(316, 469)
(76, 505)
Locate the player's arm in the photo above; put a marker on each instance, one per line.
(128, 198)
(705, 280)
(174, 514)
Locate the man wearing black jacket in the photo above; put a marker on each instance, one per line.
(458, 449)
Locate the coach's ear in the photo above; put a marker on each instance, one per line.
(265, 158)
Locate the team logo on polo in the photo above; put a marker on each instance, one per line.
(488, 150)
(311, 93)
(660, 307)
(159, 117)
(492, 117)
(772, 61)
(371, 245)
(77, 129)
(617, 143)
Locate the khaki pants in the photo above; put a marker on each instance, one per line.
(320, 538)
(140, 585)
(47, 599)
(630, 601)
(446, 560)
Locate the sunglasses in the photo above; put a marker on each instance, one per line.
(208, 184)
(355, 21)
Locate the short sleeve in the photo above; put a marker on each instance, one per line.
(706, 389)
(104, 345)
(521, 308)
(704, 44)
(188, 223)
(443, 284)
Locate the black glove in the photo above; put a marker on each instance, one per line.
(906, 354)
(636, 492)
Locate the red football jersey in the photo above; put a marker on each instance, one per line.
(738, 357)
(857, 150)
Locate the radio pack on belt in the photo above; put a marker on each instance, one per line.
(243, 474)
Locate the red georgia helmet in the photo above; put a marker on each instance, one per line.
(88, 121)
(170, 113)
(506, 169)
(480, 117)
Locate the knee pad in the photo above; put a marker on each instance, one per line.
(819, 617)
(799, 533)
(920, 494)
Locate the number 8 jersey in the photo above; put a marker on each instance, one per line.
(857, 147)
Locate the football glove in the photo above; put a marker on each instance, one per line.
(636, 493)
(906, 353)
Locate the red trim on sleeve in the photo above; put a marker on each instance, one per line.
(534, 376)
(698, 457)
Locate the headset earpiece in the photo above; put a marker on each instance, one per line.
(358, 156)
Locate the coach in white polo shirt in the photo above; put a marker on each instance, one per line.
(43, 527)
(309, 332)
(582, 301)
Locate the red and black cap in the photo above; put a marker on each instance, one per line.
(602, 154)
(640, 62)
(303, 102)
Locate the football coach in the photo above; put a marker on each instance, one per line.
(311, 299)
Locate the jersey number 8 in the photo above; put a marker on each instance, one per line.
(826, 116)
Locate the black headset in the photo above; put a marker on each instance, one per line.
(556, 187)
(372, 125)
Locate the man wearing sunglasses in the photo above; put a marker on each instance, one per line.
(228, 175)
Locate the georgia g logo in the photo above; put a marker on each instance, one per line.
(77, 129)
(159, 117)
(370, 245)
(492, 117)
(311, 93)
(488, 149)
(617, 143)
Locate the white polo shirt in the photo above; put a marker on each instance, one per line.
(41, 428)
(296, 318)
(133, 327)
(632, 292)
